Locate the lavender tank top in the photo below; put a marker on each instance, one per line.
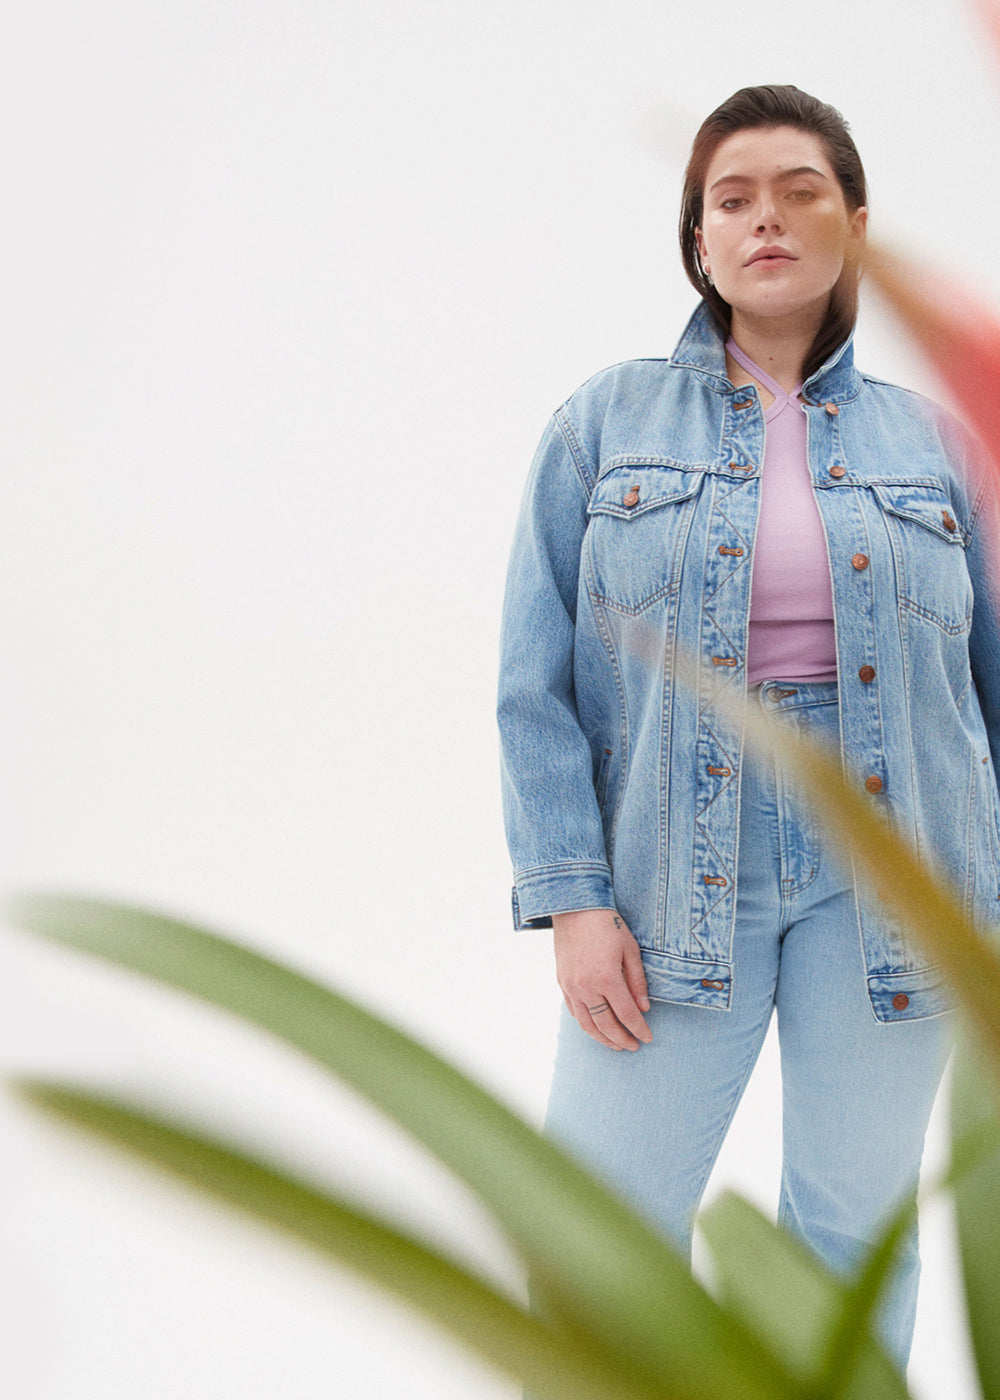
(791, 600)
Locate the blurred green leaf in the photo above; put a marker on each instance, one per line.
(849, 1357)
(779, 1288)
(557, 1366)
(975, 1118)
(595, 1261)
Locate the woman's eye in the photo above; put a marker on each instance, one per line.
(803, 194)
(733, 202)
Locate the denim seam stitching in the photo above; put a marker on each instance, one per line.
(561, 865)
(630, 459)
(630, 609)
(952, 629)
(623, 723)
(969, 841)
(629, 513)
(981, 495)
(575, 451)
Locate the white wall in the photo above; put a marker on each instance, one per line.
(291, 289)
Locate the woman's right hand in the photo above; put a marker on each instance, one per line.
(600, 972)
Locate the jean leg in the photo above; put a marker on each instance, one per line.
(651, 1122)
(857, 1097)
(857, 1093)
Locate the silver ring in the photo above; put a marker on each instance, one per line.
(596, 1010)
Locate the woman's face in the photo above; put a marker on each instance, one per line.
(776, 229)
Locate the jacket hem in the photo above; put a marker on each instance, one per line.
(692, 981)
(909, 996)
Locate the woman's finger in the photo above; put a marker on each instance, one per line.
(597, 1017)
(627, 1013)
(635, 974)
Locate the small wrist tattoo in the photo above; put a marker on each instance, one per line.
(618, 922)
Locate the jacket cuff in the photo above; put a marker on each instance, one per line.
(559, 889)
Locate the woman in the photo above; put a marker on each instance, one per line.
(813, 538)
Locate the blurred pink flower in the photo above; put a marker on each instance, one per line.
(956, 331)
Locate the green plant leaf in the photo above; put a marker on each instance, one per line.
(781, 1290)
(596, 1263)
(975, 1118)
(556, 1365)
(851, 1356)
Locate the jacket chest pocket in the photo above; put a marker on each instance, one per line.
(639, 519)
(929, 554)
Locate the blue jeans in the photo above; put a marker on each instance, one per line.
(857, 1093)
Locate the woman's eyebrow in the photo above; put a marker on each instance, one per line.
(782, 175)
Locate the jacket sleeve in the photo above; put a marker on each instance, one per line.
(983, 559)
(554, 829)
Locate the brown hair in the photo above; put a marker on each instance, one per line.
(772, 106)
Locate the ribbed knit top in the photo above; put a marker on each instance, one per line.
(791, 600)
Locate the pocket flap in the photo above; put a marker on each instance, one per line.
(630, 489)
(929, 506)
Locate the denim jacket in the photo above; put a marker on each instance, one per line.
(634, 545)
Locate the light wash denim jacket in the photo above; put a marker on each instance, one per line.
(635, 542)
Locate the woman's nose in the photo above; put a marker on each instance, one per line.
(767, 217)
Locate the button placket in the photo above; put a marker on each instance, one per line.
(728, 532)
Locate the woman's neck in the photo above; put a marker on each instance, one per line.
(779, 348)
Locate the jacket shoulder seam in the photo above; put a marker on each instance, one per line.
(977, 505)
(569, 437)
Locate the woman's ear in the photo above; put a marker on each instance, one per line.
(859, 227)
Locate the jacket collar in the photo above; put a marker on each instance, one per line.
(702, 347)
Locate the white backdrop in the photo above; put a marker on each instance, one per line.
(291, 289)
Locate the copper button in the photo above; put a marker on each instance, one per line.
(867, 673)
(631, 498)
(901, 1001)
(949, 520)
(742, 403)
(860, 561)
(838, 471)
(874, 783)
(832, 409)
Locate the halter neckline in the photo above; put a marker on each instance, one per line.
(761, 375)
